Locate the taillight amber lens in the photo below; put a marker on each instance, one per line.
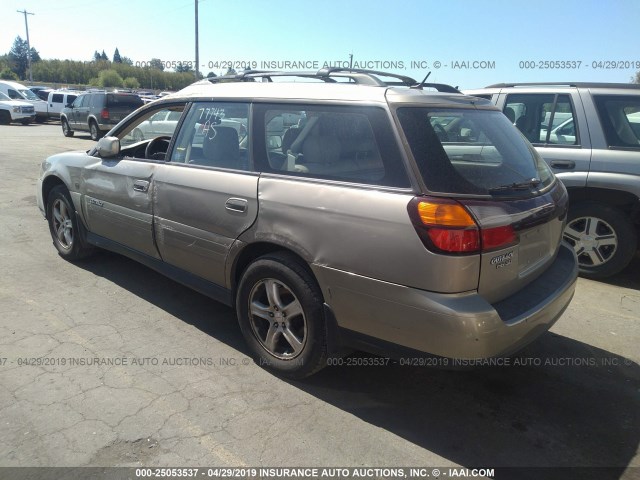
(446, 226)
(444, 214)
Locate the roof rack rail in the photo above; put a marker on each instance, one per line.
(566, 84)
(330, 75)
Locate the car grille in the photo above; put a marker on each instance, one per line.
(28, 110)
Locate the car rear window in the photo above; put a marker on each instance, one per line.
(476, 152)
(126, 101)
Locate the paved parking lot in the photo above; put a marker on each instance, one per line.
(109, 363)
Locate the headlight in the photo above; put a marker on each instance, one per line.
(16, 109)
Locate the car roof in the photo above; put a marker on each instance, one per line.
(14, 85)
(610, 88)
(304, 91)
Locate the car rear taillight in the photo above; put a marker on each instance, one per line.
(104, 114)
(446, 226)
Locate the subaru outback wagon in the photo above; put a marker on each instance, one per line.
(338, 212)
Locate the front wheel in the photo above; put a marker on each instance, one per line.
(280, 311)
(5, 117)
(66, 229)
(66, 129)
(603, 238)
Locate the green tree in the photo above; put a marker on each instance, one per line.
(184, 68)
(116, 56)
(131, 82)
(231, 71)
(7, 74)
(211, 74)
(19, 57)
(109, 78)
(637, 78)
(103, 56)
(127, 61)
(156, 63)
(96, 56)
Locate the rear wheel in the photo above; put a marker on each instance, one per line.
(67, 232)
(66, 129)
(94, 131)
(603, 238)
(280, 311)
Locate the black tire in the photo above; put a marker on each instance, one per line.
(25, 121)
(67, 232)
(5, 117)
(66, 129)
(297, 291)
(96, 133)
(40, 119)
(603, 237)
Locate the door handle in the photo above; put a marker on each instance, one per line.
(236, 205)
(141, 186)
(563, 164)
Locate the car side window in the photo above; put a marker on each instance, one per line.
(543, 118)
(78, 101)
(620, 117)
(335, 143)
(56, 98)
(214, 134)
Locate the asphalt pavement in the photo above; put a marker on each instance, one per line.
(106, 362)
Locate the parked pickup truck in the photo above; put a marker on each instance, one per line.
(589, 133)
(16, 91)
(15, 111)
(57, 100)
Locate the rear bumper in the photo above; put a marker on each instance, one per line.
(461, 326)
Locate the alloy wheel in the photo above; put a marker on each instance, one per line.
(62, 224)
(594, 240)
(277, 319)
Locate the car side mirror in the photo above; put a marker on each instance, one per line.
(69, 105)
(108, 147)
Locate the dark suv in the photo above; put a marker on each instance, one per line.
(97, 112)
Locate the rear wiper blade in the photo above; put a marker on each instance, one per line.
(527, 184)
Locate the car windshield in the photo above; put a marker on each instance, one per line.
(476, 152)
(28, 94)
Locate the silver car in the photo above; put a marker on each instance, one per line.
(351, 210)
(589, 134)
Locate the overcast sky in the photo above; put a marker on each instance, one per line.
(407, 37)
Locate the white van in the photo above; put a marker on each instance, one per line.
(16, 91)
(58, 99)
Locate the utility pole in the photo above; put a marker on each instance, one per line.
(26, 24)
(197, 54)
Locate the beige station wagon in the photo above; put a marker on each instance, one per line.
(335, 210)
